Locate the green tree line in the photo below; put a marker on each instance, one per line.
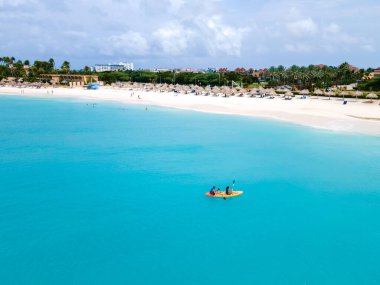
(171, 77)
(310, 77)
(10, 67)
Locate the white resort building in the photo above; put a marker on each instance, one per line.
(121, 66)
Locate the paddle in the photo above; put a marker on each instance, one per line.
(233, 185)
(232, 188)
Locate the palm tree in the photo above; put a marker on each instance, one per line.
(52, 64)
(7, 60)
(344, 73)
(292, 74)
(272, 72)
(65, 67)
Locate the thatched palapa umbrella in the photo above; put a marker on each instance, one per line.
(372, 96)
(358, 93)
(269, 91)
(318, 92)
(288, 95)
(330, 93)
(272, 94)
(344, 93)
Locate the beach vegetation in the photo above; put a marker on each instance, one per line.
(310, 77)
(87, 70)
(65, 68)
(51, 63)
(371, 85)
(4, 72)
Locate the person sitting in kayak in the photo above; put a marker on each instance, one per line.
(228, 190)
(212, 191)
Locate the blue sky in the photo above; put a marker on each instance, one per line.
(193, 33)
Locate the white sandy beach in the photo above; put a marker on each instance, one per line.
(355, 117)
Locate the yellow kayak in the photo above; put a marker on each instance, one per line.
(222, 194)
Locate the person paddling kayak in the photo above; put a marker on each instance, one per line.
(228, 190)
(228, 193)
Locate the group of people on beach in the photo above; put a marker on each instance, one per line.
(213, 191)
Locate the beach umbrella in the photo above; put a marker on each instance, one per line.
(318, 92)
(272, 94)
(372, 96)
(305, 92)
(330, 93)
(288, 93)
(358, 93)
(268, 91)
(344, 93)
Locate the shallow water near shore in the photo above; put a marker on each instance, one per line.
(113, 194)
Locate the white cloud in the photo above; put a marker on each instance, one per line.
(332, 29)
(14, 3)
(127, 44)
(368, 48)
(208, 34)
(212, 32)
(299, 47)
(221, 38)
(176, 5)
(75, 34)
(302, 28)
(173, 39)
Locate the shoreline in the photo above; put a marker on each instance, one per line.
(321, 113)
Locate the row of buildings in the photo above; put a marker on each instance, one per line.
(374, 74)
(121, 66)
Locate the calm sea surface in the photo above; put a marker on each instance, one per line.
(114, 194)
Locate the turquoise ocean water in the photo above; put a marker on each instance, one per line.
(113, 194)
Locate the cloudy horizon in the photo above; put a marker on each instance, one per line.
(197, 34)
